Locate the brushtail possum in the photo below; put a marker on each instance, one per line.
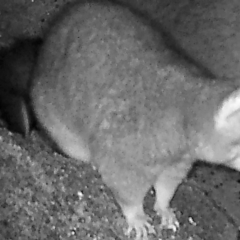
(108, 91)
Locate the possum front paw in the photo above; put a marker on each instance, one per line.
(168, 218)
(138, 222)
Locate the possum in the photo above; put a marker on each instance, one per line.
(16, 66)
(109, 92)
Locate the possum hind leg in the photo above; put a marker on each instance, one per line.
(70, 142)
(68, 139)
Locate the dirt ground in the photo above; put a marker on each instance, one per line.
(44, 195)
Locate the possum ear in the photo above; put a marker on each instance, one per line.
(227, 118)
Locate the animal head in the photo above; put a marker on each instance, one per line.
(227, 131)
